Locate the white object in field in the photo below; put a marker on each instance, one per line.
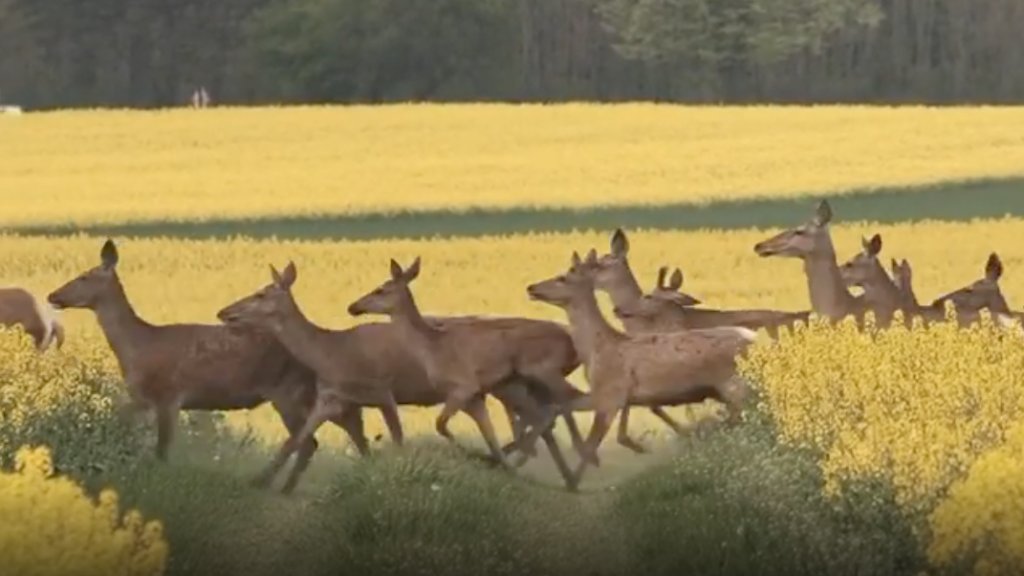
(9, 109)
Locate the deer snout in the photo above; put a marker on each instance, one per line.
(764, 249)
(355, 309)
(533, 291)
(55, 300)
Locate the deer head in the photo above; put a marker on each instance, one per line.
(563, 289)
(903, 278)
(665, 297)
(389, 296)
(983, 293)
(91, 287)
(266, 307)
(808, 239)
(858, 270)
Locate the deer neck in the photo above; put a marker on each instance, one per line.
(301, 337)
(999, 305)
(125, 332)
(880, 290)
(623, 289)
(419, 336)
(588, 327)
(829, 296)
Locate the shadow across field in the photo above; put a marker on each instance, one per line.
(950, 201)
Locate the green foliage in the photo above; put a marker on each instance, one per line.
(62, 402)
(384, 49)
(739, 503)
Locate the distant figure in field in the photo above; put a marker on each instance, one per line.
(19, 307)
(200, 97)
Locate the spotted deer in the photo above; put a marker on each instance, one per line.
(365, 365)
(468, 359)
(656, 369)
(18, 307)
(172, 367)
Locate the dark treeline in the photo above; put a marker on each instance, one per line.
(156, 52)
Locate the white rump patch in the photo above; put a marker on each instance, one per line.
(745, 333)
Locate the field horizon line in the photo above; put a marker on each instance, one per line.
(949, 201)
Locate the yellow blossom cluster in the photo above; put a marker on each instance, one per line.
(915, 406)
(52, 527)
(982, 518)
(112, 166)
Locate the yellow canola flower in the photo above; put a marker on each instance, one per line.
(913, 406)
(89, 166)
(982, 518)
(52, 527)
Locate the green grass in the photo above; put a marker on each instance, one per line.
(733, 503)
(950, 201)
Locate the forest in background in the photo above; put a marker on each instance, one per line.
(154, 53)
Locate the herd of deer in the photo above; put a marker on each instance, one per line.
(672, 352)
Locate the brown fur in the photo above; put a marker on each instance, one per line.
(472, 357)
(648, 369)
(367, 365)
(18, 307)
(167, 368)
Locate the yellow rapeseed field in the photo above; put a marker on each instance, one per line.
(924, 409)
(113, 166)
(176, 280)
(51, 526)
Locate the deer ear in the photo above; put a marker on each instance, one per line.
(396, 270)
(676, 281)
(575, 260)
(288, 276)
(620, 244)
(662, 272)
(275, 275)
(894, 266)
(412, 271)
(592, 256)
(994, 267)
(875, 245)
(824, 213)
(108, 254)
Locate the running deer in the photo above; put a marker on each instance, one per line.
(365, 365)
(666, 309)
(657, 369)
(886, 295)
(903, 278)
(811, 242)
(18, 307)
(468, 359)
(173, 367)
(881, 294)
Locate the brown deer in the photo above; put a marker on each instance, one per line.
(811, 242)
(664, 310)
(18, 307)
(657, 369)
(468, 359)
(881, 294)
(173, 367)
(903, 278)
(366, 365)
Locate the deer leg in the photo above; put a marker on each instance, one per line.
(350, 419)
(321, 412)
(294, 417)
(623, 435)
(668, 419)
(476, 408)
(166, 418)
(559, 460)
(389, 410)
(602, 424)
(520, 407)
(560, 390)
